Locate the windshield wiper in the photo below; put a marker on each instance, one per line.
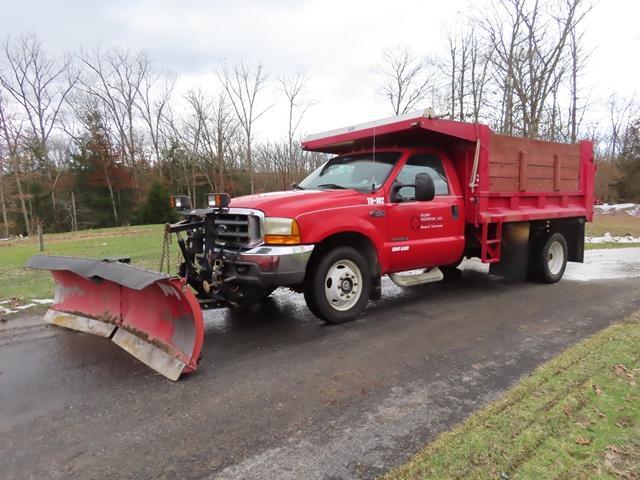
(332, 185)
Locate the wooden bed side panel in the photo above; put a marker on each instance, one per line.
(533, 166)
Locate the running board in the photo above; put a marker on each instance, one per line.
(407, 280)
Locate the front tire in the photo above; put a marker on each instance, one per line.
(338, 285)
(549, 259)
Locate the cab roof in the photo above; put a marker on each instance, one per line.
(410, 129)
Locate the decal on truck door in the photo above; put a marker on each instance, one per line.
(425, 220)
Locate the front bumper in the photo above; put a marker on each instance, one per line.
(269, 266)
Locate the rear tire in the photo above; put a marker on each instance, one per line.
(549, 258)
(338, 285)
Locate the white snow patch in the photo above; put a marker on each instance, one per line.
(629, 208)
(608, 238)
(608, 264)
(42, 301)
(599, 264)
(24, 307)
(6, 310)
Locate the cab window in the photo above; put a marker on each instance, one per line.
(360, 172)
(423, 163)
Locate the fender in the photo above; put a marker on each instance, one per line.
(320, 225)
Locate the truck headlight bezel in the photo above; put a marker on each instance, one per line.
(281, 231)
(180, 202)
(218, 200)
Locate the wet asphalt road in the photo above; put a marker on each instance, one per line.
(281, 395)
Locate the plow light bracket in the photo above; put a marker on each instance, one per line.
(218, 200)
(180, 202)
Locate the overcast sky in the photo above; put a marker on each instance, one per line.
(339, 43)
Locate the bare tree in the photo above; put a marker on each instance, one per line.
(11, 131)
(622, 111)
(578, 63)
(293, 86)
(458, 72)
(115, 78)
(467, 72)
(243, 83)
(530, 45)
(3, 202)
(272, 159)
(181, 146)
(209, 125)
(155, 92)
(4, 155)
(453, 57)
(225, 128)
(407, 79)
(479, 58)
(37, 84)
(199, 127)
(193, 137)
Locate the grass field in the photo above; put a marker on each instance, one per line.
(576, 417)
(143, 244)
(617, 224)
(620, 224)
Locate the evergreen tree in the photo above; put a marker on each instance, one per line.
(628, 185)
(156, 208)
(105, 189)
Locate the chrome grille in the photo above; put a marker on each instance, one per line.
(239, 230)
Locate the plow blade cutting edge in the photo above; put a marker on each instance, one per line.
(154, 317)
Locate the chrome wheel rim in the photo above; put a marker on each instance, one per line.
(343, 285)
(555, 258)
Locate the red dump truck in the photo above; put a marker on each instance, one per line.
(412, 194)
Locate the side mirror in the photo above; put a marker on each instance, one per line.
(425, 188)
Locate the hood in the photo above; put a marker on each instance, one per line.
(295, 202)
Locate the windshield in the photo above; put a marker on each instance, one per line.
(359, 172)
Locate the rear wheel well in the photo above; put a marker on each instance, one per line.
(572, 229)
(360, 242)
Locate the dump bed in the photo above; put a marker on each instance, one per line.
(504, 179)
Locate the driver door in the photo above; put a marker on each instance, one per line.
(429, 233)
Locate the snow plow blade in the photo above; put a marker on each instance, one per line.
(154, 317)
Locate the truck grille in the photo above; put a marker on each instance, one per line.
(238, 230)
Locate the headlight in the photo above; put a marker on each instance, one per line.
(218, 200)
(281, 231)
(180, 202)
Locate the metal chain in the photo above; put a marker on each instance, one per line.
(165, 257)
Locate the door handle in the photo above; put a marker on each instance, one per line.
(455, 212)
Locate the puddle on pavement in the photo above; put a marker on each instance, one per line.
(598, 265)
(606, 264)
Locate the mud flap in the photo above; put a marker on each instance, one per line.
(154, 317)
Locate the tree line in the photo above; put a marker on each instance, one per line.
(101, 136)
